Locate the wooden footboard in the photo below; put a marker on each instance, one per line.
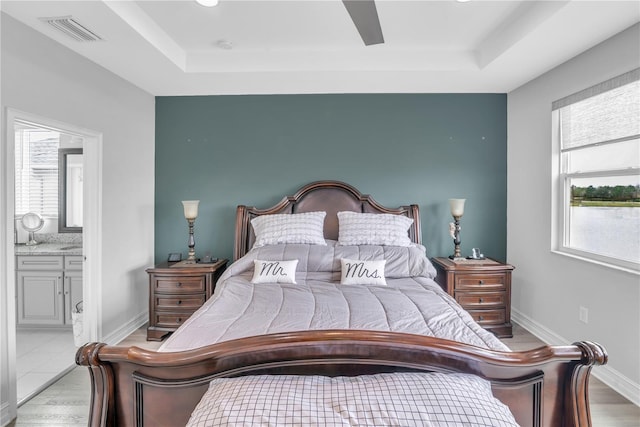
(547, 386)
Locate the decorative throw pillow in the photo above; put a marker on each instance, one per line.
(307, 227)
(373, 229)
(274, 271)
(356, 272)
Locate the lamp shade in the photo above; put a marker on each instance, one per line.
(190, 208)
(457, 206)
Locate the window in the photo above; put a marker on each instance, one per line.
(36, 170)
(597, 138)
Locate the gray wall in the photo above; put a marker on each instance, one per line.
(41, 77)
(424, 149)
(549, 288)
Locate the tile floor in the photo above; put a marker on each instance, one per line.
(43, 356)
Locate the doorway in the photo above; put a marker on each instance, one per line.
(85, 253)
(48, 198)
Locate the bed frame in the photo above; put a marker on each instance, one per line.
(130, 386)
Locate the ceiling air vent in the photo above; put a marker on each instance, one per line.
(72, 28)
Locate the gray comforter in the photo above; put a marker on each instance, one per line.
(410, 302)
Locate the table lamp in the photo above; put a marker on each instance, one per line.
(457, 209)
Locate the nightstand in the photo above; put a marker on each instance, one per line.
(177, 290)
(482, 287)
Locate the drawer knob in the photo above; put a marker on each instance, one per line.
(179, 284)
(480, 300)
(481, 317)
(179, 319)
(481, 282)
(179, 302)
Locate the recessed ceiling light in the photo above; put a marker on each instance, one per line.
(207, 3)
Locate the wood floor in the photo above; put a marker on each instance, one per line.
(66, 402)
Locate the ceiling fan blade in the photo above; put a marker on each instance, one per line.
(365, 17)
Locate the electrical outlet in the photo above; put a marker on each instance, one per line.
(584, 314)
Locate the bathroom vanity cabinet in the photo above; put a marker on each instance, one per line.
(48, 289)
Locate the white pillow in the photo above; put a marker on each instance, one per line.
(307, 227)
(373, 229)
(356, 272)
(274, 271)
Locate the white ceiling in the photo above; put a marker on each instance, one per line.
(311, 46)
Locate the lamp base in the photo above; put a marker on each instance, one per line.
(455, 232)
(191, 255)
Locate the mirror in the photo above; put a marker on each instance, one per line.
(70, 190)
(32, 222)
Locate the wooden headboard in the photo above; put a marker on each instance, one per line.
(329, 196)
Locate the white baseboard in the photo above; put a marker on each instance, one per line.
(5, 416)
(541, 332)
(606, 374)
(127, 329)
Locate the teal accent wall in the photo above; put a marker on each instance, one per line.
(399, 148)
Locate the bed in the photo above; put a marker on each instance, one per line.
(333, 305)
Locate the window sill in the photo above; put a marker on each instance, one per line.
(597, 262)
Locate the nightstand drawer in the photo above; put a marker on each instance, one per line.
(480, 281)
(184, 284)
(470, 300)
(487, 317)
(182, 301)
(171, 320)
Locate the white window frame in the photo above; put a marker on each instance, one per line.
(561, 192)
